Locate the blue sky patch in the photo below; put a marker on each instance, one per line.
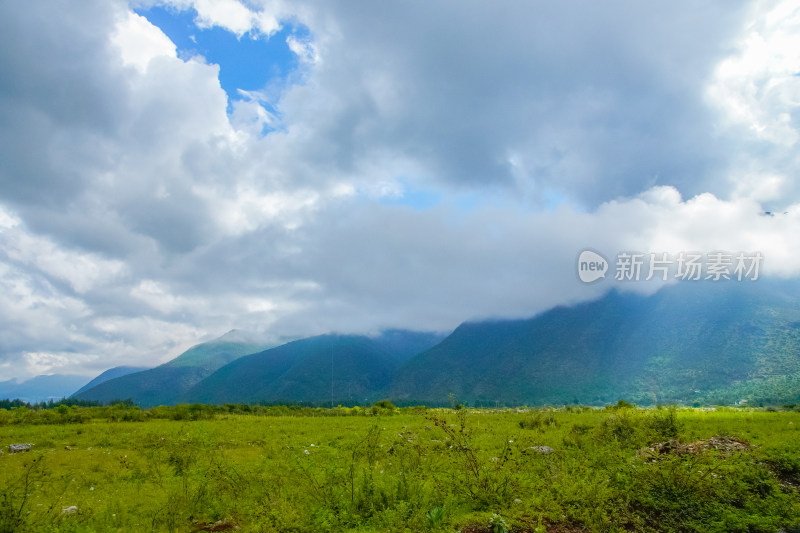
(250, 63)
(418, 199)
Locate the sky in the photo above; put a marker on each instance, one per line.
(174, 169)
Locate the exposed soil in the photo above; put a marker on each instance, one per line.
(219, 525)
(724, 444)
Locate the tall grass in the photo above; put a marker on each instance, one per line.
(216, 469)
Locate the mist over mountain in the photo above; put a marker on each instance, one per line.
(688, 342)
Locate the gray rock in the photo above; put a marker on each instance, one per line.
(17, 448)
(544, 450)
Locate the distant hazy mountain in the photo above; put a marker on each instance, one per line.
(167, 383)
(41, 388)
(689, 342)
(338, 368)
(111, 373)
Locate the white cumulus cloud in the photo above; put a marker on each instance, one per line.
(139, 41)
(140, 214)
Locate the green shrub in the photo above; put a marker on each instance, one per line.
(538, 420)
(664, 424)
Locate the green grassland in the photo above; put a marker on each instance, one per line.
(200, 468)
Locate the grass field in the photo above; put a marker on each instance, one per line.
(384, 469)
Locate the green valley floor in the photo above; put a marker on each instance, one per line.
(196, 468)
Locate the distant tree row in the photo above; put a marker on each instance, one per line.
(51, 404)
(72, 411)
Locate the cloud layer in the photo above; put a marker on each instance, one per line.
(139, 214)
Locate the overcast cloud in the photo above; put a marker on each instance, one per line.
(425, 164)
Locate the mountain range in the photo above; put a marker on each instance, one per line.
(166, 384)
(688, 343)
(347, 369)
(111, 373)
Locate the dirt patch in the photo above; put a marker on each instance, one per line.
(724, 444)
(219, 525)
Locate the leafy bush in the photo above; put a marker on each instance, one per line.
(706, 493)
(436, 517)
(484, 480)
(538, 420)
(664, 424)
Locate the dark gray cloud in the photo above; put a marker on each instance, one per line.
(593, 100)
(57, 99)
